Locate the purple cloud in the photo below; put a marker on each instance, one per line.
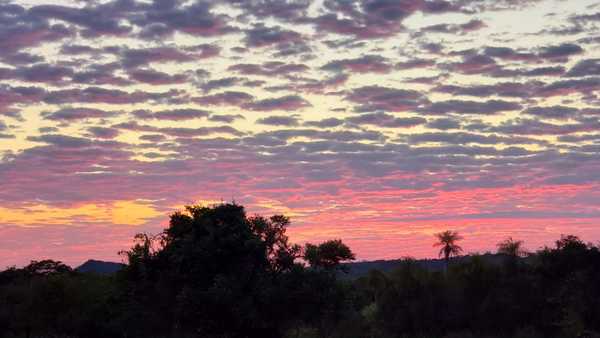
(372, 98)
(289, 102)
(172, 115)
(76, 113)
(364, 64)
(386, 120)
(226, 98)
(288, 121)
(587, 67)
(103, 132)
(469, 107)
(154, 77)
(274, 68)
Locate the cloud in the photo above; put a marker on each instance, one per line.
(19, 30)
(21, 58)
(386, 120)
(374, 18)
(476, 64)
(321, 86)
(443, 124)
(10, 96)
(153, 77)
(287, 121)
(521, 126)
(373, 98)
(469, 107)
(386, 112)
(172, 115)
(100, 77)
(560, 52)
(289, 102)
(461, 138)
(194, 19)
(325, 123)
(153, 137)
(44, 73)
(553, 112)
(103, 95)
(226, 98)
(103, 132)
(283, 10)
(76, 113)
(97, 21)
(131, 58)
(539, 71)
(507, 53)
(415, 63)
(587, 67)
(364, 64)
(585, 17)
(262, 36)
(202, 131)
(220, 83)
(179, 131)
(61, 141)
(566, 87)
(486, 61)
(504, 89)
(226, 118)
(470, 26)
(139, 57)
(273, 68)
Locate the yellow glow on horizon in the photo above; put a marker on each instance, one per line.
(132, 213)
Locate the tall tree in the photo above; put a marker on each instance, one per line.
(447, 242)
(217, 272)
(327, 255)
(511, 247)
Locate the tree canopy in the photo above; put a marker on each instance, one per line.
(220, 272)
(447, 241)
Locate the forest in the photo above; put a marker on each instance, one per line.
(216, 272)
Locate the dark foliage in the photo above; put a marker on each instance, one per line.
(214, 272)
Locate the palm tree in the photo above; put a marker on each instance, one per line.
(511, 247)
(447, 241)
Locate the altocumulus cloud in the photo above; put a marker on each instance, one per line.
(348, 114)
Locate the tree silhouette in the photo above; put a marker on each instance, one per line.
(46, 267)
(218, 272)
(327, 255)
(511, 247)
(447, 241)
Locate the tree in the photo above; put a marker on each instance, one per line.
(447, 241)
(511, 247)
(217, 272)
(571, 243)
(327, 255)
(46, 267)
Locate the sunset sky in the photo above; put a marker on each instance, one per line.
(380, 122)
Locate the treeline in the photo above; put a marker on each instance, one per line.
(215, 272)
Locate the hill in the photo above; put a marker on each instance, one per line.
(358, 269)
(100, 267)
(355, 269)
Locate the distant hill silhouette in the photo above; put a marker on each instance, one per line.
(354, 270)
(358, 269)
(100, 267)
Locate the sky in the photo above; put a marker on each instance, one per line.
(379, 122)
